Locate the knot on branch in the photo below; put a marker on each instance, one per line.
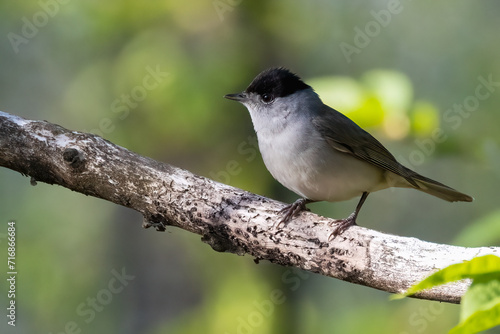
(222, 239)
(74, 158)
(157, 221)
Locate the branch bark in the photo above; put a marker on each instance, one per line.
(227, 218)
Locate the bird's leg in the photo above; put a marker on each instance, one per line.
(343, 224)
(292, 209)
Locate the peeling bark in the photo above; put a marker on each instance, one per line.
(227, 218)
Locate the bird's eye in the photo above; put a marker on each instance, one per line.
(267, 98)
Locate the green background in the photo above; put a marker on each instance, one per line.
(403, 70)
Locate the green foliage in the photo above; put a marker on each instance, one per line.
(424, 118)
(381, 98)
(482, 232)
(481, 303)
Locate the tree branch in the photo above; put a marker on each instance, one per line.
(229, 219)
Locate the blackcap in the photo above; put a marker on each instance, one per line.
(319, 153)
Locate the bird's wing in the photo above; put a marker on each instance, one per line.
(346, 136)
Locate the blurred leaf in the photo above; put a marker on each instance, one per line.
(424, 118)
(481, 303)
(382, 97)
(481, 320)
(393, 89)
(342, 93)
(369, 114)
(480, 306)
(350, 98)
(485, 231)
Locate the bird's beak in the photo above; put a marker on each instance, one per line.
(240, 97)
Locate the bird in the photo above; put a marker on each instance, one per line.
(319, 153)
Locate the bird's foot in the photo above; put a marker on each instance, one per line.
(341, 225)
(291, 210)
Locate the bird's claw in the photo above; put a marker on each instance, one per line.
(290, 211)
(341, 225)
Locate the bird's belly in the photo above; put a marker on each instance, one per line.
(320, 176)
(341, 180)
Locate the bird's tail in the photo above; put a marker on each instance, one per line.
(436, 188)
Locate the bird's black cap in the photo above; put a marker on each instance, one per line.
(278, 81)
